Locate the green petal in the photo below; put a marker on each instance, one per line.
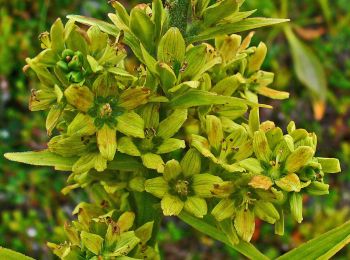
(202, 145)
(171, 205)
(153, 161)
(171, 125)
(245, 223)
(89, 161)
(156, 186)
(296, 206)
(203, 184)
(214, 132)
(289, 183)
(251, 164)
(126, 242)
(261, 182)
(57, 36)
(82, 124)
(329, 165)
(134, 97)
(126, 145)
(53, 117)
(92, 242)
(223, 210)
(261, 146)
(191, 162)
(172, 169)
(80, 97)
(170, 145)
(172, 46)
(107, 142)
(299, 158)
(266, 211)
(131, 124)
(196, 206)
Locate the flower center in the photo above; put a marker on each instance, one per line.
(106, 110)
(181, 187)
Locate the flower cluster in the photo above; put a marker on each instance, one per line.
(178, 130)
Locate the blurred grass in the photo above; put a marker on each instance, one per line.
(32, 209)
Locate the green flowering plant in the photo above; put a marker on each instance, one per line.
(177, 134)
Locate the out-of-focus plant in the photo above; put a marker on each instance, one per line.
(178, 135)
(316, 36)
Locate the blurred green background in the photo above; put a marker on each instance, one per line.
(32, 209)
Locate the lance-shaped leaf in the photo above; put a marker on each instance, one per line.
(307, 66)
(43, 158)
(172, 47)
(103, 26)
(240, 26)
(207, 227)
(219, 11)
(142, 27)
(195, 97)
(12, 255)
(324, 246)
(107, 142)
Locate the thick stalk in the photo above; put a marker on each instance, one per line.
(178, 11)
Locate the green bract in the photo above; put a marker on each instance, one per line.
(115, 122)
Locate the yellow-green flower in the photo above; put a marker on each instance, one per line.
(183, 186)
(158, 140)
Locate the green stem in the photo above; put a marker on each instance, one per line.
(178, 11)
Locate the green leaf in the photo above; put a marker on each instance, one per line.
(103, 26)
(205, 227)
(42, 158)
(322, 247)
(12, 255)
(244, 25)
(307, 65)
(196, 97)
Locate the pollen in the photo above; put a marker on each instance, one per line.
(106, 110)
(181, 187)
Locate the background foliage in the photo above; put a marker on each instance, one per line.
(31, 205)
